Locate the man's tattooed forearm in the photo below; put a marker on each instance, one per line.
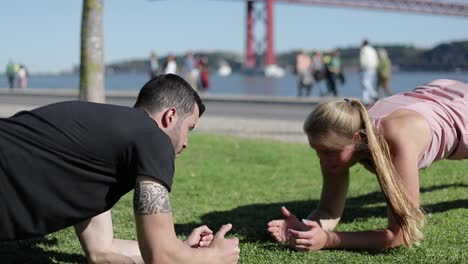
(151, 198)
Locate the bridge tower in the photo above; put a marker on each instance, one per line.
(254, 45)
(265, 45)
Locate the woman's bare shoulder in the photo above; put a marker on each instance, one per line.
(406, 128)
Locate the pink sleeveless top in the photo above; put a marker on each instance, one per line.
(444, 105)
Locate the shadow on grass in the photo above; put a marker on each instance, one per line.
(29, 251)
(250, 221)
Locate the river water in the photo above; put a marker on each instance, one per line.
(238, 84)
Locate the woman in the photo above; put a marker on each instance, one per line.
(204, 74)
(394, 139)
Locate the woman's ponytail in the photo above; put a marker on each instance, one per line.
(409, 216)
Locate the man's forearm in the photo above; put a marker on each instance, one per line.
(122, 251)
(176, 251)
(127, 248)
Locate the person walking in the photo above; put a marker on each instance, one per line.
(204, 74)
(68, 163)
(304, 70)
(153, 65)
(171, 66)
(384, 72)
(191, 72)
(11, 74)
(334, 72)
(368, 62)
(22, 77)
(319, 72)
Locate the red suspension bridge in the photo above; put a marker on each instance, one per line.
(265, 15)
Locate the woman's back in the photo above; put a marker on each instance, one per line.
(444, 105)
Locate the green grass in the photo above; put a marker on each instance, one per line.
(244, 182)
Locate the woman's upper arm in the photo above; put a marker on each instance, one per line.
(406, 144)
(405, 148)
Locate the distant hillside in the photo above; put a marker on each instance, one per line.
(443, 57)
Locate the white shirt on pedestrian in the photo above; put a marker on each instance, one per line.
(368, 58)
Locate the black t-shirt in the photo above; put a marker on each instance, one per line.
(67, 162)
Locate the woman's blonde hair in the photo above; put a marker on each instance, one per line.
(345, 118)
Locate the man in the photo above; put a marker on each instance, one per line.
(153, 65)
(319, 72)
(191, 71)
(369, 62)
(11, 74)
(170, 65)
(68, 163)
(384, 72)
(334, 72)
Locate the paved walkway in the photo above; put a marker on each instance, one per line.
(283, 130)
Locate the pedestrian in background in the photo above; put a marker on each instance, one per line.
(191, 73)
(171, 66)
(384, 72)
(304, 69)
(368, 61)
(22, 77)
(11, 74)
(204, 74)
(333, 66)
(153, 65)
(319, 72)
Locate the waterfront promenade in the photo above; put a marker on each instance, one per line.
(278, 118)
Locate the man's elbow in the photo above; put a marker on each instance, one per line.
(109, 257)
(97, 257)
(162, 259)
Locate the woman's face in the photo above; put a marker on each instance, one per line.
(336, 155)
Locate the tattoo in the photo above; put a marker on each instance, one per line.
(151, 198)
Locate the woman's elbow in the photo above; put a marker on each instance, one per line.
(394, 238)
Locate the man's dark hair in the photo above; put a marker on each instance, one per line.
(169, 90)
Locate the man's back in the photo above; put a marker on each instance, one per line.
(66, 162)
(10, 69)
(368, 58)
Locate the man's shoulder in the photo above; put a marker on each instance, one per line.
(93, 112)
(79, 103)
(90, 106)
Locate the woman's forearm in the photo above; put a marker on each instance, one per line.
(372, 239)
(327, 221)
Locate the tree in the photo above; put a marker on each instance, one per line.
(92, 55)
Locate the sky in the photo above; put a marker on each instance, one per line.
(45, 35)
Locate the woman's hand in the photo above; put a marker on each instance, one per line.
(315, 238)
(200, 237)
(279, 228)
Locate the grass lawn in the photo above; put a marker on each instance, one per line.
(243, 181)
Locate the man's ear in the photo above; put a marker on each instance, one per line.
(169, 117)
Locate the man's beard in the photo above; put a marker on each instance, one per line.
(175, 137)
